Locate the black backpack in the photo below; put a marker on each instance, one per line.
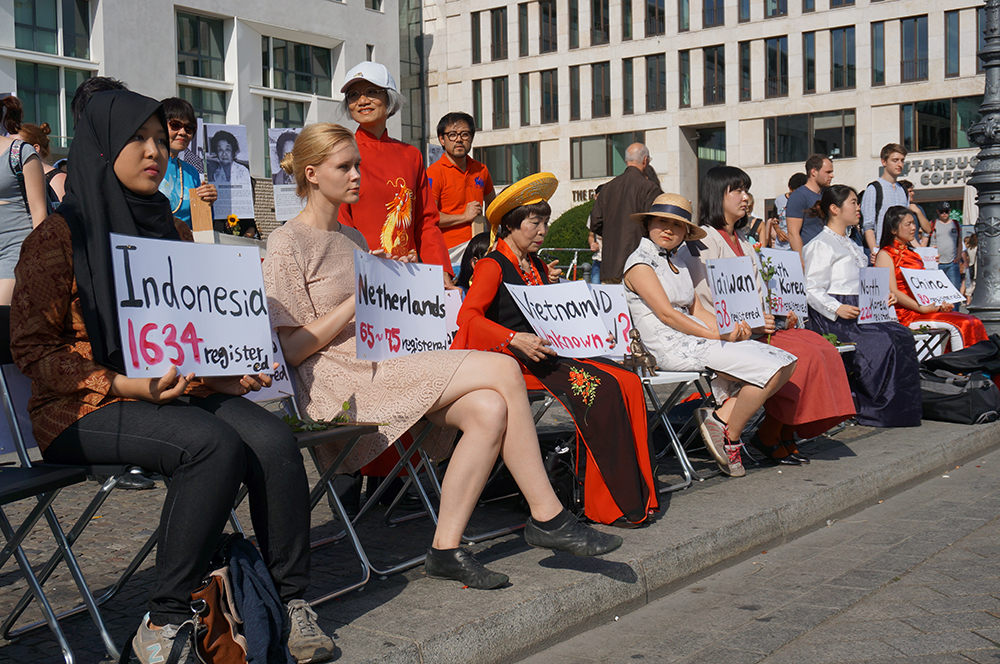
(956, 387)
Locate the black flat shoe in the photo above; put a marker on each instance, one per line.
(459, 565)
(134, 481)
(769, 450)
(789, 460)
(572, 537)
(800, 458)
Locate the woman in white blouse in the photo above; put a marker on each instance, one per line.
(883, 370)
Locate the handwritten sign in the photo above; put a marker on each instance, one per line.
(399, 308)
(788, 285)
(873, 298)
(931, 286)
(929, 255)
(565, 314)
(287, 204)
(199, 307)
(613, 309)
(281, 385)
(452, 305)
(734, 291)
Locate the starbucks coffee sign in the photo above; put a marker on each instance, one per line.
(941, 172)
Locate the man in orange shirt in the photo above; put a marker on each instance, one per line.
(460, 185)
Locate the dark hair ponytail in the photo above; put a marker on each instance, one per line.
(13, 114)
(834, 195)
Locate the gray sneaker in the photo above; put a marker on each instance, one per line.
(154, 646)
(307, 641)
(716, 436)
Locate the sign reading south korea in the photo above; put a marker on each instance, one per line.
(564, 314)
(931, 286)
(198, 307)
(734, 291)
(399, 307)
(788, 289)
(873, 298)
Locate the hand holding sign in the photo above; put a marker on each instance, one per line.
(874, 297)
(932, 288)
(565, 316)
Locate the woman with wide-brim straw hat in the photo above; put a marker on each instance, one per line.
(619, 485)
(684, 336)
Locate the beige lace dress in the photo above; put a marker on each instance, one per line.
(307, 273)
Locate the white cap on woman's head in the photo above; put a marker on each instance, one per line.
(372, 72)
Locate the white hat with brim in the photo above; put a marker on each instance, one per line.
(372, 72)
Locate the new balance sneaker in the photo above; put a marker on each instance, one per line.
(306, 639)
(154, 646)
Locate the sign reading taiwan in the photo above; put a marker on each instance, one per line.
(199, 307)
(734, 291)
(613, 308)
(788, 285)
(931, 286)
(399, 307)
(566, 316)
(873, 299)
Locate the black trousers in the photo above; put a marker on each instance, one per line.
(208, 448)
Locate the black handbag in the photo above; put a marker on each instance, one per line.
(981, 356)
(963, 399)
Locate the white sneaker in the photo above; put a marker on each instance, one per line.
(154, 646)
(306, 639)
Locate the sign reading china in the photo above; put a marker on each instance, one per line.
(399, 307)
(931, 286)
(613, 309)
(929, 255)
(564, 314)
(734, 291)
(788, 289)
(873, 298)
(199, 307)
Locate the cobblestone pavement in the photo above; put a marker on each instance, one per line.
(913, 579)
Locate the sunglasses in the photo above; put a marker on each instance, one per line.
(370, 93)
(177, 125)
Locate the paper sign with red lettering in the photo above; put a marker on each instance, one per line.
(566, 316)
(931, 286)
(399, 307)
(613, 308)
(788, 285)
(452, 305)
(734, 291)
(281, 385)
(199, 307)
(873, 298)
(929, 255)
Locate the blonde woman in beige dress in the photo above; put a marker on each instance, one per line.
(309, 277)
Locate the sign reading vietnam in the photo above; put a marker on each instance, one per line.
(931, 286)
(613, 309)
(399, 307)
(566, 316)
(873, 298)
(788, 285)
(734, 291)
(198, 307)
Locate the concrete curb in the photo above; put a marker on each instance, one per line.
(554, 597)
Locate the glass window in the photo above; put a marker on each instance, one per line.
(38, 89)
(36, 26)
(200, 49)
(299, 67)
(656, 18)
(808, 6)
(808, 62)
(878, 53)
(939, 124)
(833, 133)
(209, 105)
(477, 103)
(745, 91)
(550, 96)
(547, 21)
(656, 82)
(628, 87)
(509, 163)
(786, 139)
(374, 4)
(744, 11)
(714, 14)
(951, 43)
(76, 29)
(715, 75)
(574, 93)
(525, 100)
(775, 8)
(776, 52)
(600, 156)
(600, 74)
(626, 20)
(600, 22)
(574, 23)
(914, 48)
(477, 39)
(841, 3)
(842, 41)
(522, 29)
(792, 138)
(280, 114)
(498, 34)
(683, 15)
(685, 77)
(72, 79)
(501, 103)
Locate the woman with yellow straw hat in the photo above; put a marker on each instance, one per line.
(619, 486)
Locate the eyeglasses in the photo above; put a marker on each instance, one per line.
(455, 135)
(369, 93)
(177, 125)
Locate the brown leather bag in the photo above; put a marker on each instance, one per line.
(219, 640)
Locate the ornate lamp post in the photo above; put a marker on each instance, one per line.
(986, 178)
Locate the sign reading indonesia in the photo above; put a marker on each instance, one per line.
(198, 307)
(565, 315)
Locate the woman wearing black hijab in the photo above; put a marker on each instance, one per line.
(201, 433)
